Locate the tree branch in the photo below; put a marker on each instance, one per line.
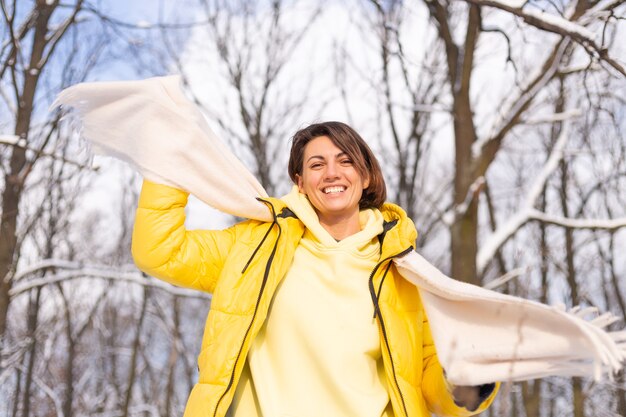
(485, 150)
(569, 223)
(506, 230)
(13, 140)
(99, 272)
(559, 25)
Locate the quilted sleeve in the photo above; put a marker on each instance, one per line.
(163, 248)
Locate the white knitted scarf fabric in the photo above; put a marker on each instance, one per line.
(481, 336)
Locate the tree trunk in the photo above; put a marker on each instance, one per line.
(577, 389)
(464, 246)
(464, 231)
(133, 362)
(531, 392)
(173, 359)
(16, 397)
(68, 399)
(621, 396)
(15, 178)
(33, 314)
(579, 397)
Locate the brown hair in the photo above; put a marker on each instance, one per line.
(350, 142)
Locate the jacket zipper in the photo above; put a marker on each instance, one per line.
(382, 322)
(258, 301)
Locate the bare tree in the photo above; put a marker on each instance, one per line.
(24, 66)
(521, 158)
(410, 95)
(46, 46)
(254, 44)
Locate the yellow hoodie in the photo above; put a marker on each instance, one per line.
(319, 352)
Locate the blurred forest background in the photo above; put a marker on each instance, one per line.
(500, 127)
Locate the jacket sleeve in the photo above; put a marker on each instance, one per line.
(436, 390)
(163, 248)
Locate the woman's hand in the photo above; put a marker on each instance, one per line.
(467, 396)
(471, 397)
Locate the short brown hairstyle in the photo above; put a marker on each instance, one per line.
(350, 142)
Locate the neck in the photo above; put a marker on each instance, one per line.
(341, 227)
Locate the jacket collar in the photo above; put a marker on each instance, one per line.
(399, 231)
(398, 234)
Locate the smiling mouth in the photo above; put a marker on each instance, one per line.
(334, 189)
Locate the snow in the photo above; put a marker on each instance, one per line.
(517, 4)
(555, 117)
(605, 224)
(561, 24)
(600, 9)
(508, 229)
(489, 248)
(551, 164)
(451, 215)
(73, 270)
(547, 21)
(10, 139)
(528, 213)
(45, 264)
(143, 24)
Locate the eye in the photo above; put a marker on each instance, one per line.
(346, 161)
(315, 165)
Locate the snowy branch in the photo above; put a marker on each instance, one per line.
(551, 165)
(542, 20)
(529, 213)
(70, 270)
(595, 224)
(556, 24)
(579, 68)
(13, 140)
(485, 148)
(459, 210)
(509, 228)
(556, 117)
(505, 278)
(599, 10)
(54, 264)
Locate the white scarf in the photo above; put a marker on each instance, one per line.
(481, 336)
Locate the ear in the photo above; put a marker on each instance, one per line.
(300, 183)
(366, 182)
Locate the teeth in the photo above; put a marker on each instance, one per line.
(336, 189)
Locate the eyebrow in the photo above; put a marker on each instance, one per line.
(340, 154)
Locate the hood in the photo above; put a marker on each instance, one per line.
(371, 221)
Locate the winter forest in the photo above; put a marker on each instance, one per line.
(500, 126)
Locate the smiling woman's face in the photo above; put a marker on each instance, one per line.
(330, 180)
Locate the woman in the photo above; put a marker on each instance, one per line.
(309, 316)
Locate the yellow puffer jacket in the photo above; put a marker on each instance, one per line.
(243, 265)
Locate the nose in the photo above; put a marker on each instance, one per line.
(332, 171)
